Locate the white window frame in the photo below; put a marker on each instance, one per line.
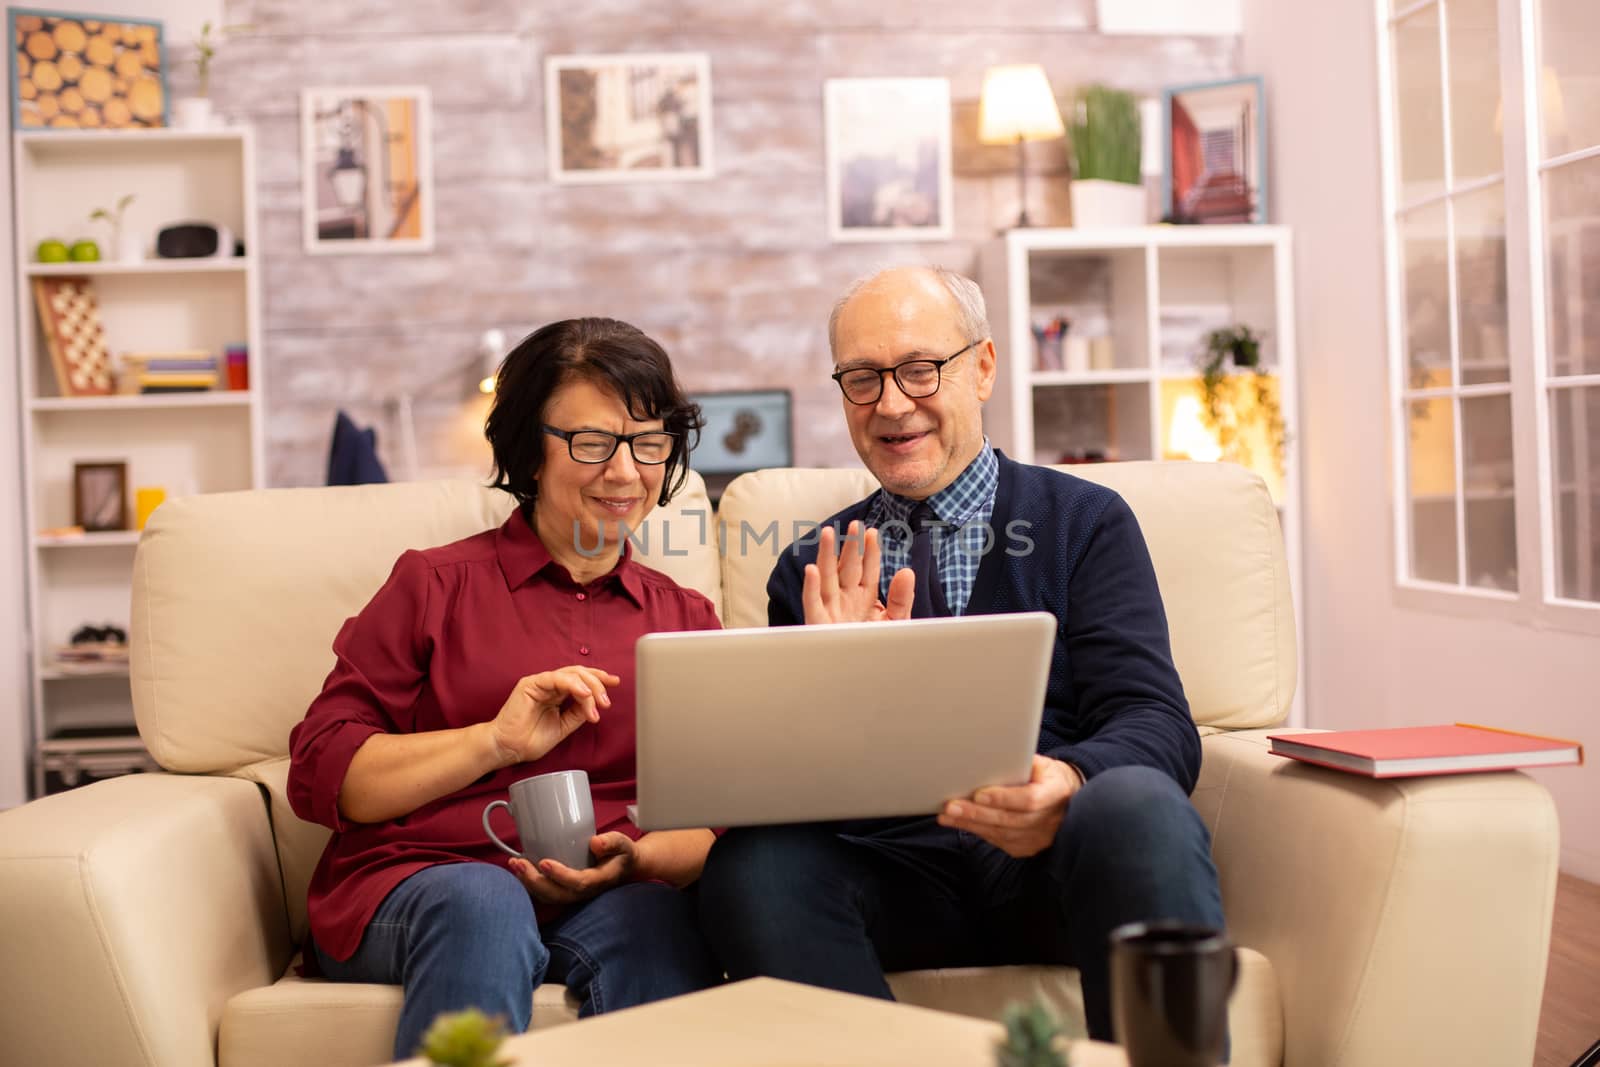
(1527, 294)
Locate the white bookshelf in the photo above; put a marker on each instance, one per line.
(1144, 298)
(81, 715)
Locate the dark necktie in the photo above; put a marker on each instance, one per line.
(928, 601)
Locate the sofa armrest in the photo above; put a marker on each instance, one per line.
(1408, 920)
(134, 908)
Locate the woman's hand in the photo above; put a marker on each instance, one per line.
(552, 882)
(544, 708)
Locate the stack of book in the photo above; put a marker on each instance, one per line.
(169, 372)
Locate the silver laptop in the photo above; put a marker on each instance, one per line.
(803, 723)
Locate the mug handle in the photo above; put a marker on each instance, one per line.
(490, 830)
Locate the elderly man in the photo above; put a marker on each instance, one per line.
(1103, 832)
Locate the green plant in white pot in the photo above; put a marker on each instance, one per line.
(1107, 189)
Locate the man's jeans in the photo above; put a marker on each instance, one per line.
(807, 904)
(464, 935)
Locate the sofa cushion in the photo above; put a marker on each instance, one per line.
(237, 597)
(338, 1024)
(1213, 535)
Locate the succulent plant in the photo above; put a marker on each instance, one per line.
(1031, 1033)
(464, 1039)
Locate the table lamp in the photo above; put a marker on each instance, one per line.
(1018, 105)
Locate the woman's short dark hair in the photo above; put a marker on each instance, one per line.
(611, 354)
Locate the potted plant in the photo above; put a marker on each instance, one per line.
(194, 112)
(464, 1039)
(1106, 188)
(1229, 411)
(1031, 1038)
(128, 247)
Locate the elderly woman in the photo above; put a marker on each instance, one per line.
(505, 655)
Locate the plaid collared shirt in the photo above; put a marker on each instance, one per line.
(967, 504)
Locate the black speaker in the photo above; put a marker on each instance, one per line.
(194, 240)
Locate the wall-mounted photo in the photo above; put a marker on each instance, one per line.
(1216, 165)
(621, 118)
(744, 431)
(888, 144)
(74, 71)
(367, 184)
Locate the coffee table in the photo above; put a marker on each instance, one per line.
(764, 1022)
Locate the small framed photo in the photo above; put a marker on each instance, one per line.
(367, 179)
(1216, 152)
(100, 496)
(888, 168)
(71, 71)
(744, 431)
(628, 117)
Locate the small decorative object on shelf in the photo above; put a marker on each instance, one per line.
(70, 318)
(464, 1039)
(1106, 188)
(100, 496)
(237, 358)
(1031, 1038)
(130, 250)
(146, 498)
(1228, 410)
(1049, 340)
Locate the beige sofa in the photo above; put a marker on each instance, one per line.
(153, 919)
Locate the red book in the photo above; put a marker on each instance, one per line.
(1417, 750)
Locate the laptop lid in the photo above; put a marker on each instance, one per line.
(805, 723)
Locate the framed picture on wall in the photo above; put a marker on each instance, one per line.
(1216, 152)
(888, 165)
(75, 71)
(630, 117)
(744, 431)
(367, 178)
(100, 496)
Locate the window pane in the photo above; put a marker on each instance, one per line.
(1475, 119)
(1575, 450)
(1419, 108)
(1571, 195)
(1427, 297)
(1569, 86)
(1480, 220)
(1432, 489)
(1489, 484)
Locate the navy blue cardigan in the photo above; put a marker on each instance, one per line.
(1073, 548)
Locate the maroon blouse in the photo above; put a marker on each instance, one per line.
(440, 646)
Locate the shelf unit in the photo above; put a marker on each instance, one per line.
(1139, 302)
(81, 716)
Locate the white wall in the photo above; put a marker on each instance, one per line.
(1372, 660)
(183, 19)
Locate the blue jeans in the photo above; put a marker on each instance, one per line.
(811, 904)
(464, 935)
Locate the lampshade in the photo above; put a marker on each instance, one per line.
(491, 347)
(1018, 103)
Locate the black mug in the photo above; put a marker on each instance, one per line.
(1170, 983)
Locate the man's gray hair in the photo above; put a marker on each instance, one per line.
(970, 309)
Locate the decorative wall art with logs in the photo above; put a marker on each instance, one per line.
(73, 71)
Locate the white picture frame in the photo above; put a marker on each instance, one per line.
(630, 117)
(888, 159)
(356, 195)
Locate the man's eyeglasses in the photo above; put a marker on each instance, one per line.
(649, 447)
(916, 378)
